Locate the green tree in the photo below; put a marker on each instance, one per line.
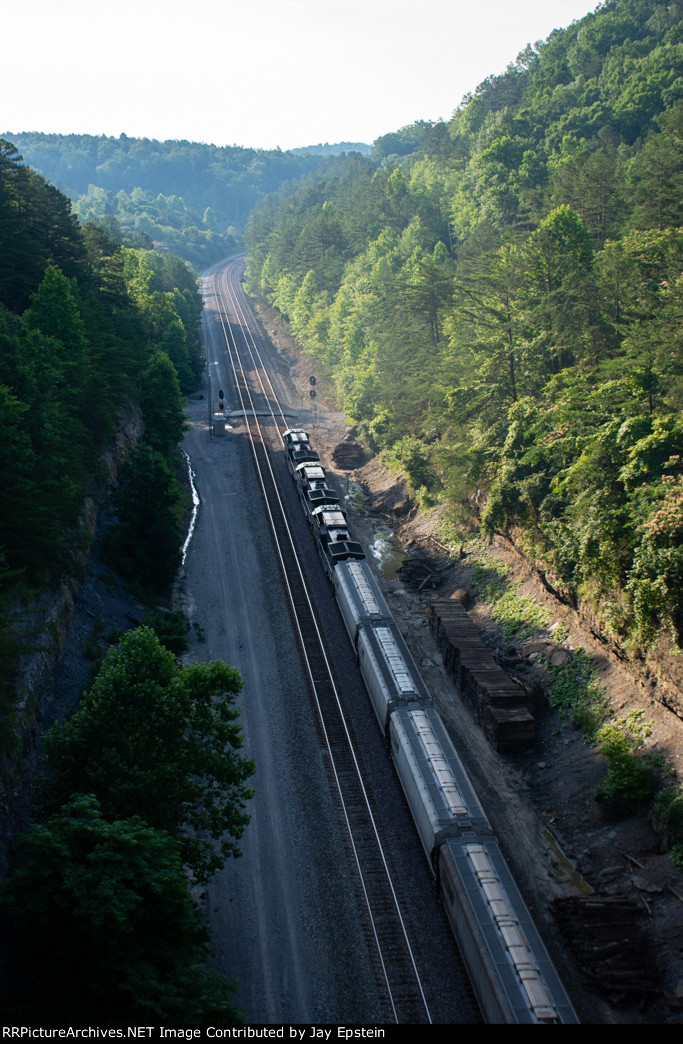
(162, 404)
(488, 328)
(590, 181)
(657, 574)
(640, 278)
(561, 304)
(103, 928)
(656, 175)
(37, 228)
(175, 346)
(17, 517)
(145, 542)
(160, 741)
(54, 311)
(427, 288)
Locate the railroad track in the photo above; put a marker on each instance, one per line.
(385, 920)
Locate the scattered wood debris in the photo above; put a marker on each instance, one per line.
(419, 573)
(611, 946)
(349, 455)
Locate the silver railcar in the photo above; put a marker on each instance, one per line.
(359, 598)
(509, 967)
(388, 670)
(437, 787)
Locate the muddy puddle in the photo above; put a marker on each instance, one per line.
(385, 547)
(388, 551)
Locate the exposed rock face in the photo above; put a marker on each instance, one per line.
(402, 507)
(43, 626)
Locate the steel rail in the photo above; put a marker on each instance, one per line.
(235, 361)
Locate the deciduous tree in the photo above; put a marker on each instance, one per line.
(103, 929)
(162, 742)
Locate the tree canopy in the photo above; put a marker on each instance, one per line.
(190, 198)
(90, 335)
(159, 741)
(497, 302)
(103, 929)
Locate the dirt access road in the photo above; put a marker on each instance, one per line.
(259, 906)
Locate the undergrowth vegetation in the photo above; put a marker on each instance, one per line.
(631, 778)
(519, 616)
(636, 782)
(578, 695)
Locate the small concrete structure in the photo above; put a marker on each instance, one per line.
(218, 424)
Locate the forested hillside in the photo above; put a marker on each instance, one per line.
(90, 333)
(190, 198)
(99, 345)
(498, 302)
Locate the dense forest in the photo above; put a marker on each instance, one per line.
(99, 343)
(90, 333)
(190, 198)
(497, 302)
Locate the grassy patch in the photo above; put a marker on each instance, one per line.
(519, 616)
(578, 695)
(560, 633)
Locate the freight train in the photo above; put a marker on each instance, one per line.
(512, 975)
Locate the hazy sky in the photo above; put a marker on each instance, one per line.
(256, 72)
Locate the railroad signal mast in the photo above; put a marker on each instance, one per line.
(315, 410)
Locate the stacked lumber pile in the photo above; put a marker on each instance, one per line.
(498, 703)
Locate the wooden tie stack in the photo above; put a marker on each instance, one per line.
(498, 703)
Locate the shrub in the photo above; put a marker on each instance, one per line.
(676, 854)
(631, 778)
(171, 628)
(667, 815)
